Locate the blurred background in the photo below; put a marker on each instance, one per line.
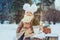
(11, 11)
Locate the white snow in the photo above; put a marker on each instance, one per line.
(56, 29)
(8, 31)
(41, 35)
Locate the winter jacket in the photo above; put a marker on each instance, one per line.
(25, 28)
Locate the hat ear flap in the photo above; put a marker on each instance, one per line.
(34, 7)
(26, 6)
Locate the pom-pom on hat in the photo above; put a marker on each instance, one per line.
(34, 7)
(28, 8)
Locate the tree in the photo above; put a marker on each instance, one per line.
(47, 2)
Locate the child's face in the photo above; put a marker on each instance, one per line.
(29, 13)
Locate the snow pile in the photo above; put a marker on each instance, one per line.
(41, 35)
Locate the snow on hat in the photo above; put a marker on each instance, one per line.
(32, 8)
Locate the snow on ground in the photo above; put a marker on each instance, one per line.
(8, 31)
(56, 29)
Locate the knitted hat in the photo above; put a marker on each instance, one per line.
(30, 8)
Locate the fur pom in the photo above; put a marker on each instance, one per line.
(34, 7)
(26, 6)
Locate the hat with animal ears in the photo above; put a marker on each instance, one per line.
(30, 8)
